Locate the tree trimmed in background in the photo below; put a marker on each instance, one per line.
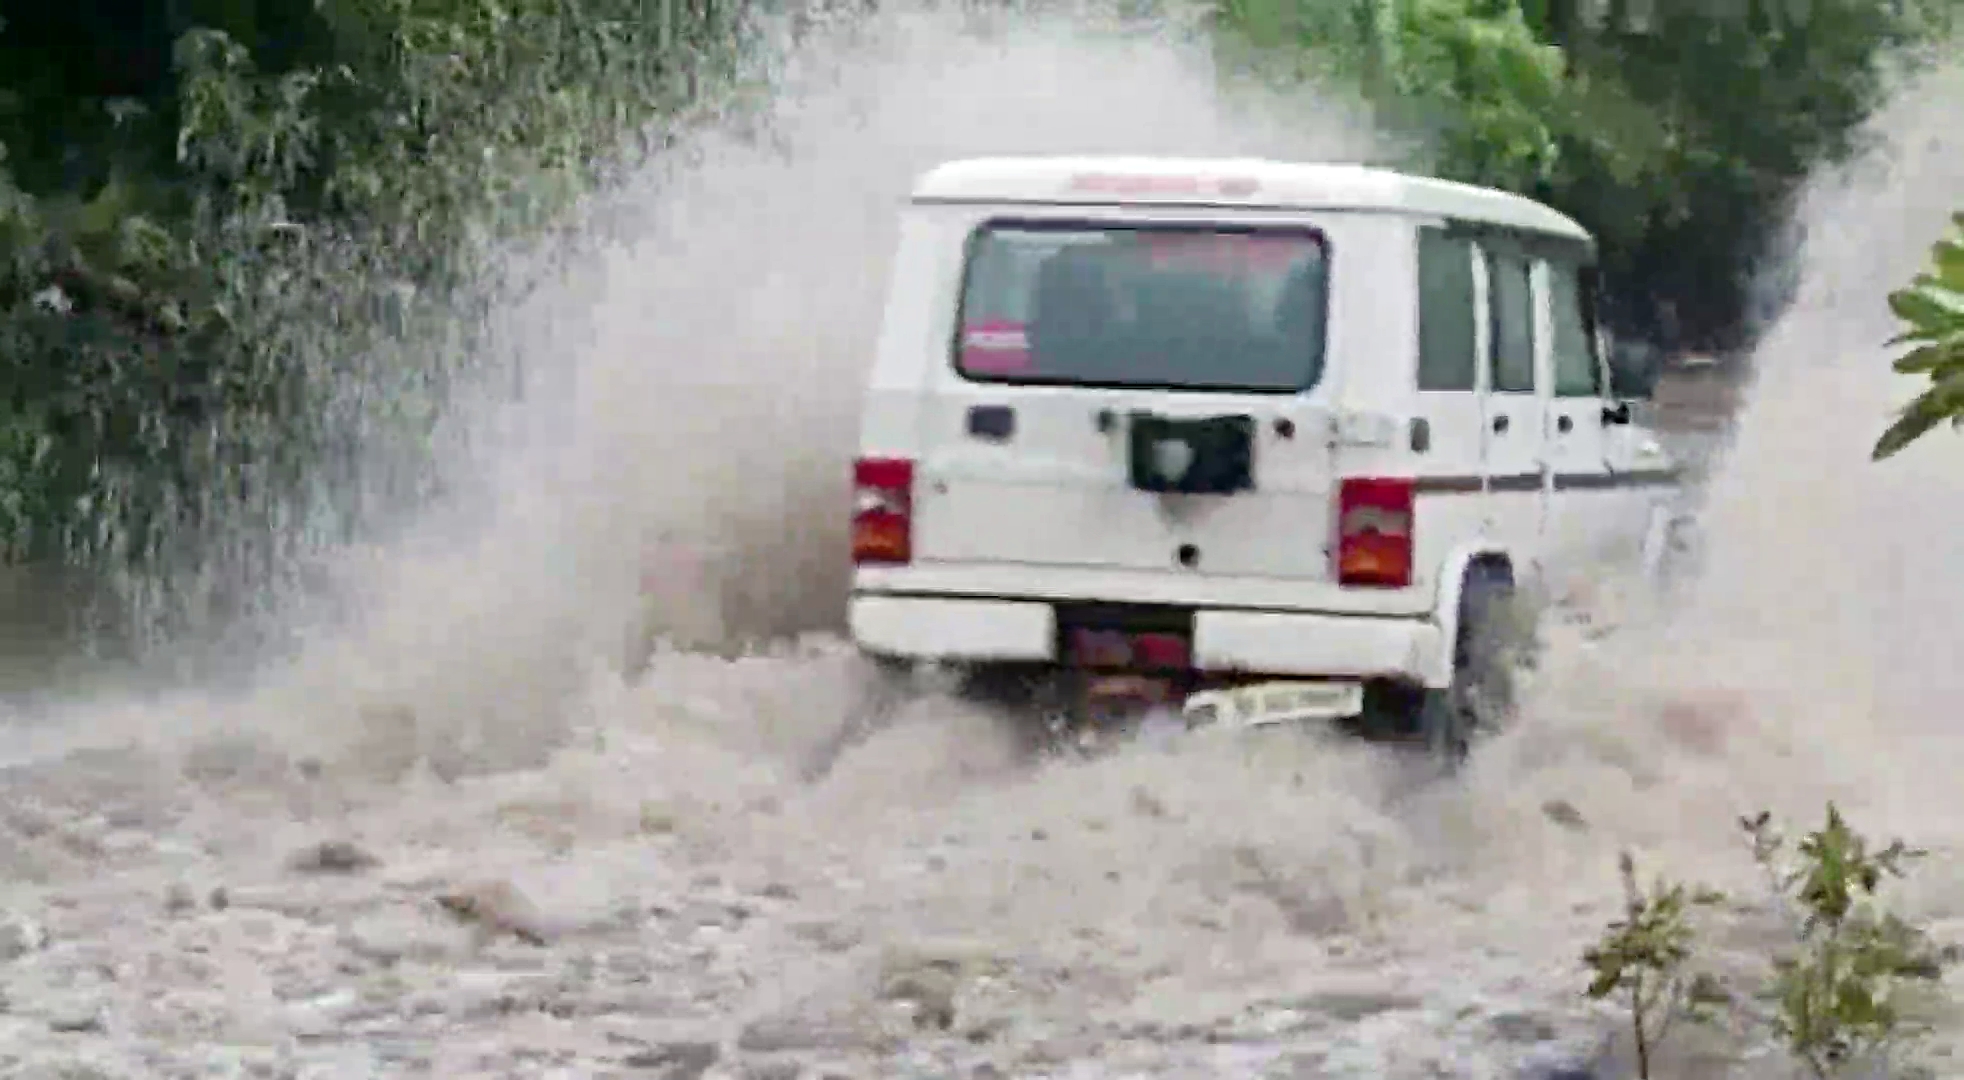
(1678, 131)
(238, 239)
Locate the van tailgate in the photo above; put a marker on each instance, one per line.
(1043, 476)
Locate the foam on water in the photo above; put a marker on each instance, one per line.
(700, 421)
(696, 431)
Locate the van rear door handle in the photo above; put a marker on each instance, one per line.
(994, 423)
(1500, 423)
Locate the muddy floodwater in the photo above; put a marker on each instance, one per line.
(450, 839)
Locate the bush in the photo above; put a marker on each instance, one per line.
(231, 339)
(1676, 133)
(1643, 961)
(1842, 998)
(1841, 994)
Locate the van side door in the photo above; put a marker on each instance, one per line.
(1645, 473)
(1512, 409)
(1449, 381)
(1584, 508)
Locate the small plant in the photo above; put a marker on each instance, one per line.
(1643, 961)
(1840, 997)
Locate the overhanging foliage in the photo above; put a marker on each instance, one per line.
(1932, 310)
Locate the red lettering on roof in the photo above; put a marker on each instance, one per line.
(1228, 253)
(1139, 184)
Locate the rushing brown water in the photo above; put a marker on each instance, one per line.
(1275, 907)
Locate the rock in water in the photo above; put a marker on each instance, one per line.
(332, 857)
(20, 935)
(494, 909)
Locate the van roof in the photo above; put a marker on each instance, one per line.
(1250, 182)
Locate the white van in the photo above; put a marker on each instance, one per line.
(1230, 421)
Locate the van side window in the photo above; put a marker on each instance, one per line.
(1446, 314)
(1573, 338)
(1510, 306)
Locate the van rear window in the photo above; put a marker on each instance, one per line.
(1211, 307)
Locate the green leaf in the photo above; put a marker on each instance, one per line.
(1932, 308)
(1948, 257)
(1928, 306)
(1936, 359)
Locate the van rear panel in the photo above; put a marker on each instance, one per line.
(1061, 493)
(1138, 400)
(1132, 395)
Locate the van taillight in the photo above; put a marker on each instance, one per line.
(882, 511)
(1374, 532)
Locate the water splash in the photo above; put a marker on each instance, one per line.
(699, 389)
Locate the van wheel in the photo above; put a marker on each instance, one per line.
(1482, 691)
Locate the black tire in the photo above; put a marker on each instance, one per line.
(1482, 691)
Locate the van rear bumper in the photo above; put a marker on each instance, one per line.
(970, 630)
